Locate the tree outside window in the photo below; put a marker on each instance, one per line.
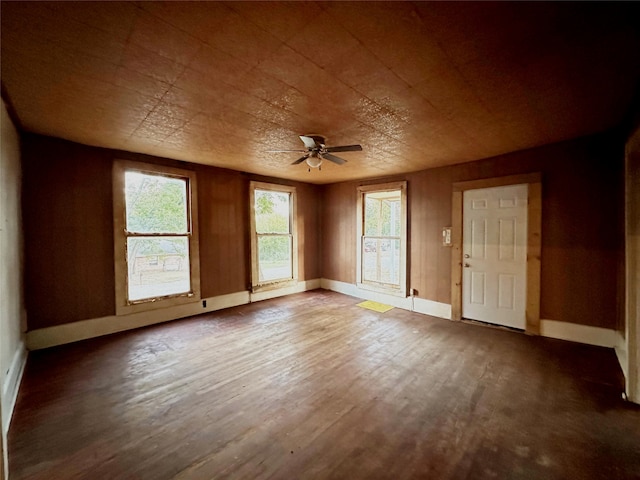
(157, 225)
(273, 239)
(155, 236)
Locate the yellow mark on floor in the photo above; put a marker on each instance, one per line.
(375, 306)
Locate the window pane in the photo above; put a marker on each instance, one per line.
(272, 212)
(381, 261)
(158, 266)
(155, 204)
(390, 217)
(382, 214)
(274, 258)
(371, 215)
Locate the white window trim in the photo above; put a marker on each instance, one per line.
(402, 186)
(256, 286)
(123, 307)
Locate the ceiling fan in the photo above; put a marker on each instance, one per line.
(316, 151)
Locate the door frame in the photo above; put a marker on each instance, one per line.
(534, 244)
(631, 341)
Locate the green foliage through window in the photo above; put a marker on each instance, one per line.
(273, 229)
(272, 212)
(157, 223)
(382, 216)
(155, 203)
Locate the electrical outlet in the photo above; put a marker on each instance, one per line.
(204, 304)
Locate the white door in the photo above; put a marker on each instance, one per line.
(494, 252)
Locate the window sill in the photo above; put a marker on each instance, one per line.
(145, 306)
(396, 292)
(274, 285)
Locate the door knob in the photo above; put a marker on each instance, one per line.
(466, 255)
(466, 265)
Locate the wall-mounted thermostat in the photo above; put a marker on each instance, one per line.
(446, 236)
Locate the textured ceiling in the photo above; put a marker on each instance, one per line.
(418, 85)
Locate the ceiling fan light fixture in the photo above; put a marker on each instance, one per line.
(316, 151)
(314, 161)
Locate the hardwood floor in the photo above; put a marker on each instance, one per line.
(313, 387)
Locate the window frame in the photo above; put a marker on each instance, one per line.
(256, 285)
(379, 287)
(125, 306)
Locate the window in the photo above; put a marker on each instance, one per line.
(273, 239)
(382, 238)
(156, 249)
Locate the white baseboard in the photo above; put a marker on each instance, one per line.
(420, 305)
(340, 287)
(621, 352)
(429, 307)
(82, 330)
(12, 385)
(96, 327)
(602, 337)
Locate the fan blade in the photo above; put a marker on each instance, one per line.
(333, 158)
(300, 160)
(345, 148)
(308, 142)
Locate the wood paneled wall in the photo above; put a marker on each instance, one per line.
(582, 226)
(68, 221)
(223, 210)
(339, 232)
(309, 233)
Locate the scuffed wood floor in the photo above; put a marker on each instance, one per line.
(313, 387)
